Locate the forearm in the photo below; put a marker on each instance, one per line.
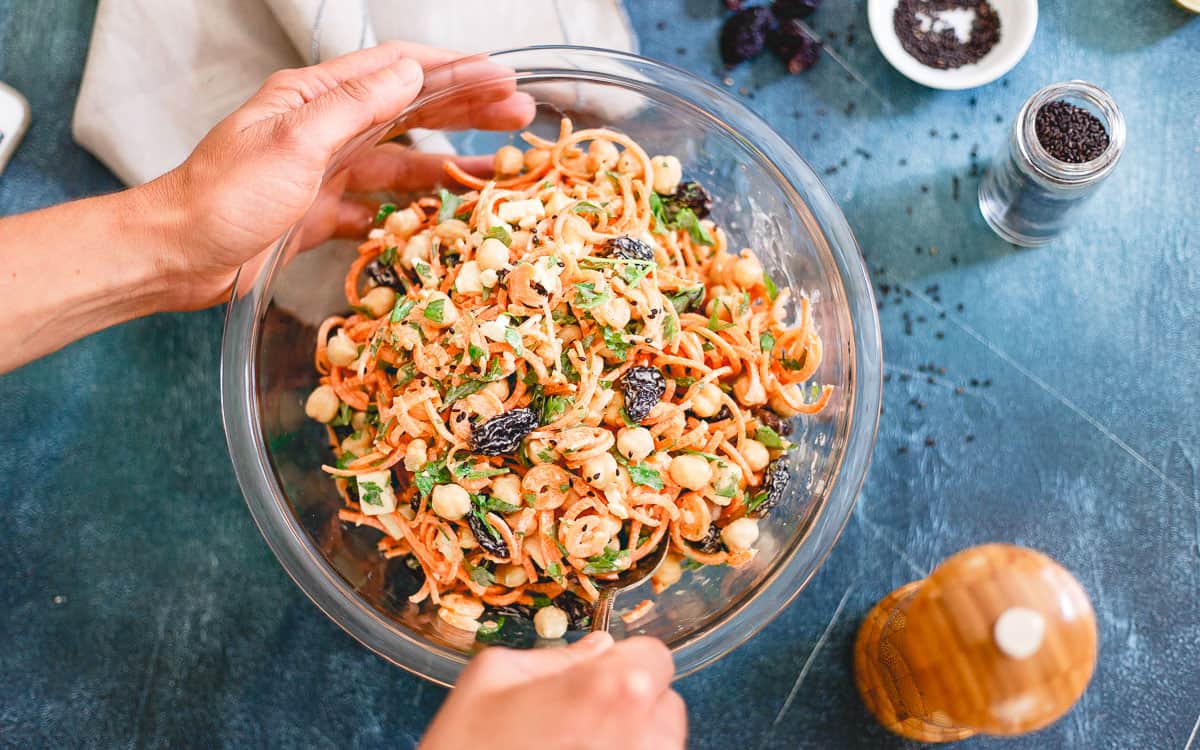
(74, 269)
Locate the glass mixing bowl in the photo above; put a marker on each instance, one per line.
(766, 197)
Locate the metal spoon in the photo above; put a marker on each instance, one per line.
(625, 581)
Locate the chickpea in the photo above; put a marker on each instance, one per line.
(507, 489)
(416, 455)
(358, 443)
(574, 229)
(492, 255)
(451, 502)
(557, 202)
(379, 301)
(404, 223)
(462, 604)
(462, 622)
(498, 388)
(747, 272)
(341, 349)
(629, 164)
(667, 173)
(489, 278)
(466, 537)
(667, 574)
(322, 404)
(780, 406)
(419, 246)
(602, 155)
(600, 471)
(690, 471)
(550, 622)
(536, 157)
(449, 311)
(451, 230)
(616, 312)
(740, 534)
(727, 479)
(468, 281)
(521, 212)
(508, 161)
(510, 575)
(756, 455)
(707, 401)
(635, 443)
(358, 420)
(612, 412)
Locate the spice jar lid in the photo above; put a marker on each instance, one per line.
(923, 35)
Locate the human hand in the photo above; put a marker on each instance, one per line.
(592, 695)
(261, 169)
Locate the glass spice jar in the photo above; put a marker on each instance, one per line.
(1027, 195)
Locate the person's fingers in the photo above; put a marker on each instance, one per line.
(498, 668)
(494, 107)
(354, 218)
(353, 106)
(391, 166)
(633, 673)
(667, 725)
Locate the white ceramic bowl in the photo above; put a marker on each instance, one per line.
(1018, 22)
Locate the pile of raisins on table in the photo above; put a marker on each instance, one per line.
(777, 27)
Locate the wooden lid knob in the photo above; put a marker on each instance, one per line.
(997, 640)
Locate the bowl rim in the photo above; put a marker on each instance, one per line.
(1008, 53)
(330, 592)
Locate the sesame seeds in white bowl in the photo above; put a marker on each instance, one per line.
(1018, 22)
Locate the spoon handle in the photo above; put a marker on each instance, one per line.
(603, 610)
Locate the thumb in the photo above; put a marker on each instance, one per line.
(355, 105)
(499, 668)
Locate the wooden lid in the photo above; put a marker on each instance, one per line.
(998, 638)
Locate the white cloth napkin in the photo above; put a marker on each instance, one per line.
(161, 73)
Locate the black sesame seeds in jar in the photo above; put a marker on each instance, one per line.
(1065, 141)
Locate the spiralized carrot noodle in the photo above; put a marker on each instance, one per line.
(539, 381)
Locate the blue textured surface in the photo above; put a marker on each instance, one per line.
(176, 627)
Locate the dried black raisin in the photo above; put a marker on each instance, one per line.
(769, 418)
(502, 434)
(486, 535)
(629, 248)
(745, 34)
(794, 8)
(643, 387)
(403, 580)
(792, 44)
(579, 612)
(516, 611)
(775, 483)
(689, 194)
(711, 543)
(382, 275)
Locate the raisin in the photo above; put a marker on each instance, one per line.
(513, 626)
(711, 543)
(770, 419)
(775, 483)
(579, 612)
(629, 248)
(794, 8)
(689, 194)
(403, 580)
(745, 34)
(382, 275)
(502, 434)
(643, 387)
(792, 44)
(489, 539)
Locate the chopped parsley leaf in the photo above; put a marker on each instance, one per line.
(587, 207)
(608, 561)
(586, 296)
(385, 210)
(513, 338)
(435, 310)
(642, 474)
(766, 341)
(388, 256)
(343, 416)
(369, 493)
(450, 203)
(770, 438)
(475, 352)
(769, 283)
(462, 390)
(499, 233)
(686, 219)
(615, 342)
(403, 307)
